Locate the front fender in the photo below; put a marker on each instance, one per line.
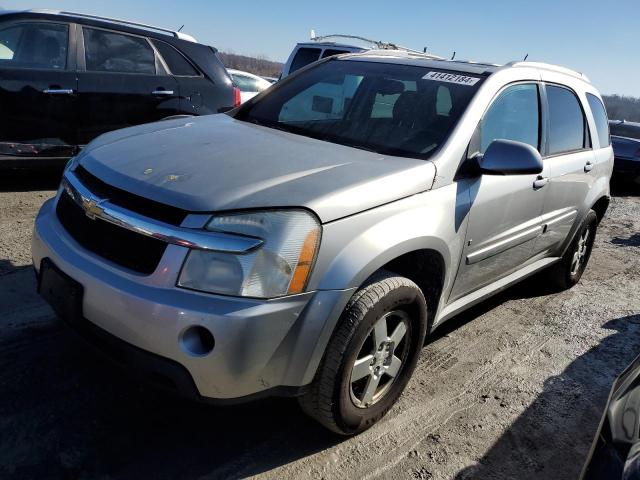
(355, 247)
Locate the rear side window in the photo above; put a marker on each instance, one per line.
(514, 115)
(178, 65)
(245, 83)
(600, 116)
(114, 52)
(34, 45)
(567, 125)
(384, 103)
(304, 56)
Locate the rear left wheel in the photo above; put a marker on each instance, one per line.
(569, 270)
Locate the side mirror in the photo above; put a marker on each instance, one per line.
(506, 157)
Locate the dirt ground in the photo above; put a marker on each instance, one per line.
(512, 389)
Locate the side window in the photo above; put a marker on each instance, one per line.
(600, 116)
(304, 56)
(383, 104)
(107, 51)
(321, 101)
(34, 45)
(178, 65)
(514, 115)
(444, 102)
(245, 84)
(567, 124)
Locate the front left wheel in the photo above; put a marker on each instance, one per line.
(371, 355)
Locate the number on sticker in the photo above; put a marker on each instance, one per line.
(451, 78)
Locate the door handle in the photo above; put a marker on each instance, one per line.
(162, 93)
(58, 91)
(540, 182)
(588, 167)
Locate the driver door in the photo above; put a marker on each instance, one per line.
(505, 217)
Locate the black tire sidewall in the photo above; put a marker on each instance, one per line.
(591, 223)
(352, 418)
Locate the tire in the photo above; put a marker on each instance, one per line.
(347, 407)
(566, 273)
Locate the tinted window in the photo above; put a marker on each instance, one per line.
(113, 52)
(330, 51)
(514, 115)
(566, 121)
(625, 130)
(245, 83)
(304, 56)
(387, 108)
(600, 116)
(34, 45)
(178, 65)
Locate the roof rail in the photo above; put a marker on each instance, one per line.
(379, 45)
(180, 35)
(550, 67)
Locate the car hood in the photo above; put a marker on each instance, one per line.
(214, 163)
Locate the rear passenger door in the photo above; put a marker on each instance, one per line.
(505, 214)
(121, 82)
(37, 89)
(569, 160)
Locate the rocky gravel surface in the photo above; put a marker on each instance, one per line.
(512, 389)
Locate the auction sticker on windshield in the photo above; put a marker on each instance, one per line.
(451, 78)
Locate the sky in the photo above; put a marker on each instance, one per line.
(597, 38)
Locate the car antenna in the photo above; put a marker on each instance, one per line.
(424, 50)
(180, 29)
(525, 57)
(453, 56)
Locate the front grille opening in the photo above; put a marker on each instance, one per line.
(135, 203)
(123, 247)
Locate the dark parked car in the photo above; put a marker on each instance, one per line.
(66, 78)
(615, 453)
(625, 138)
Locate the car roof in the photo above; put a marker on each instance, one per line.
(466, 66)
(124, 25)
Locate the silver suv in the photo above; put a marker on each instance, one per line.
(308, 242)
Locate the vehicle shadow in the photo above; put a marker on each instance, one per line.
(66, 412)
(522, 451)
(30, 180)
(632, 241)
(78, 415)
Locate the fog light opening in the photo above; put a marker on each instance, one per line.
(197, 341)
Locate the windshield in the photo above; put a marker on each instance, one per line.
(383, 107)
(625, 130)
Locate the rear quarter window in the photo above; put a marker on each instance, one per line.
(178, 65)
(600, 116)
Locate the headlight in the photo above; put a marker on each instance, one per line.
(281, 266)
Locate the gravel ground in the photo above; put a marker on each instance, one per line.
(512, 389)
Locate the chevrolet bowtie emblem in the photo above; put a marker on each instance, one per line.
(92, 208)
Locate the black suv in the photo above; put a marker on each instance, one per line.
(66, 78)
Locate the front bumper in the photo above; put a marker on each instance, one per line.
(260, 346)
